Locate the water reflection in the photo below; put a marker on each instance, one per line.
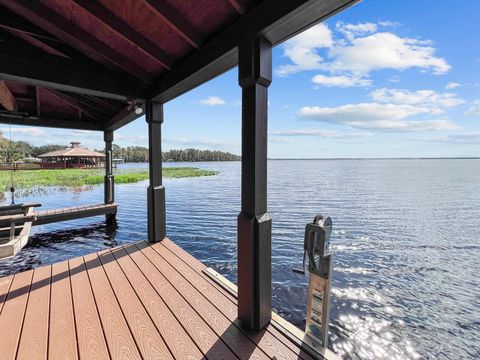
(43, 247)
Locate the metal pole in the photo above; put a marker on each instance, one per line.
(254, 223)
(156, 190)
(109, 183)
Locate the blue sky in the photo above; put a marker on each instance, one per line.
(385, 78)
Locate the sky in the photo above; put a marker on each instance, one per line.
(384, 78)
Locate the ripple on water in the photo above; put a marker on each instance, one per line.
(405, 284)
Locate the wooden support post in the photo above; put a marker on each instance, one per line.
(156, 190)
(254, 223)
(109, 178)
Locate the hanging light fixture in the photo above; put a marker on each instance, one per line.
(138, 109)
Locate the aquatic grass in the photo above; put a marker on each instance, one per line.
(28, 179)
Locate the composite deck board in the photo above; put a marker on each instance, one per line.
(204, 337)
(62, 337)
(5, 283)
(264, 339)
(90, 337)
(150, 342)
(179, 342)
(34, 341)
(137, 301)
(119, 339)
(13, 313)
(233, 337)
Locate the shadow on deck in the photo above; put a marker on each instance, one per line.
(135, 301)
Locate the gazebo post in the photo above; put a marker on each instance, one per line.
(254, 223)
(109, 183)
(156, 190)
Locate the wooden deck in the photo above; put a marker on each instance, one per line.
(150, 301)
(73, 212)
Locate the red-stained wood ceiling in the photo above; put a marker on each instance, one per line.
(88, 64)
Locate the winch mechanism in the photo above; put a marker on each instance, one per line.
(317, 249)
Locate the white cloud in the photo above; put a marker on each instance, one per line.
(140, 140)
(329, 134)
(340, 80)
(463, 138)
(212, 101)
(452, 85)
(427, 98)
(281, 140)
(376, 116)
(474, 108)
(385, 50)
(389, 23)
(28, 131)
(353, 30)
(358, 51)
(302, 50)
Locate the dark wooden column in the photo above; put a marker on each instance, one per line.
(156, 190)
(109, 183)
(254, 223)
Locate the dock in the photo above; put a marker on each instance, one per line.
(17, 220)
(73, 212)
(141, 300)
(88, 66)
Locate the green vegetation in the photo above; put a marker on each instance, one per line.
(25, 179)
(20, 150)
(140, 154)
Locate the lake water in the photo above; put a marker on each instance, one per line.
(407, 250)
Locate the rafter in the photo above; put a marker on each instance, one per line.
(238, 6)
(104, 103)
(6, 97)
(72, 102)
(38, 103)
(65, 77)
(275, 20)
(175, 21)
(47, 19)
(124, 117)
(94, 106)
(24, 119)
(126, 32)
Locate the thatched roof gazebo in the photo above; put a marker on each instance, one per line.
(72, 157)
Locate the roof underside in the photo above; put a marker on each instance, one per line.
(87, 65)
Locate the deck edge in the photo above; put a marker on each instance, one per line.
(289, 330)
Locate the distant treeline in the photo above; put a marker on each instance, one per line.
(20, 150)
(140, 154)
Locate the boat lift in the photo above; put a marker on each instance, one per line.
(320, 269)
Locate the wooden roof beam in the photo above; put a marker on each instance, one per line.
(6, 97)
(71, 102)
(88, 103)
(274, 20)
(175, 21)
(126, 116)
(38, 103)
(24, 119)
(126, 32)
(25, 30)
(64, 76)
(238, 6)
(49, 20)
